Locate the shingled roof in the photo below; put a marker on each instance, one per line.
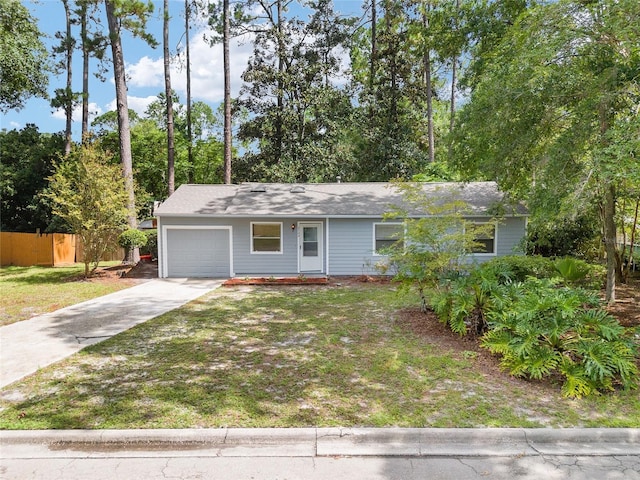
(324, 199)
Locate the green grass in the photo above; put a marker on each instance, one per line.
(29, 291)
(291, 357)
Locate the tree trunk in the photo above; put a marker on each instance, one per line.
(187, 16)
(227, 93)
(374, 45)
(68, 98)
(85, 70)
(428, 87)
(280, 94)
(122, 106)
(610, 242)
(169, 98)
(454, 71)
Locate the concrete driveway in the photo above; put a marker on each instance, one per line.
(32, 344)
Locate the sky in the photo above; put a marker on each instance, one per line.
(144, 66)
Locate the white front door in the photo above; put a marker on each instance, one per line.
(310, 246)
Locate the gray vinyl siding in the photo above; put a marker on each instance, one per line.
(351, 247)
(351, 244)
(511, 231)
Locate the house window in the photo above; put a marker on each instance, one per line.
(484, 238)
(266, 237)
(387, 235)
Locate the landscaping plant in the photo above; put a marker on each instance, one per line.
(88, 193)
(542, 330)
(130, 239)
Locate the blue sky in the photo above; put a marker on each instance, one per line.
(144, 67)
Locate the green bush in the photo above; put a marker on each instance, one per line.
(129, 240)
(542, 330)
(151, 248)
(516, 268)
(132, 238)
(462, 302)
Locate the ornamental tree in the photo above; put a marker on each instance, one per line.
(88, 192)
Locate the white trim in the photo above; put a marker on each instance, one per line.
(163, 267)
(254, 252)
(375, 252)
(327, 250)
(495, 239)
(317, 224)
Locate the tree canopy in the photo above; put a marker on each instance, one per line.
(24, 62)
(554, 116)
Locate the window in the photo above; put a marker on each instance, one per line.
(266, 237)
(484, 238)
(387, 235)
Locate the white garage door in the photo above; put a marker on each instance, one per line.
(195, 252)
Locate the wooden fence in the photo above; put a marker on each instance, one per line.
(51, 250)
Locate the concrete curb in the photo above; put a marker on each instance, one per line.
(323, 442)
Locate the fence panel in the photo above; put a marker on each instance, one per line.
(64, 249)
(56, 249)
(26, 249)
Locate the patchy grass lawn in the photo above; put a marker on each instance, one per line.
(350, 355)
(29, 291)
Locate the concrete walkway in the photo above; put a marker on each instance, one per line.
(40, 341)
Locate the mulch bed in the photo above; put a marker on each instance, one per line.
(276, 281)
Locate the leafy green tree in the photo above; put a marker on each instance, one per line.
(24, 63)
(435, 241)
(88, 192)
(28, 158)
(551, 102)
(169, 105)
(149, 146)
(400, 118)
(296, 110)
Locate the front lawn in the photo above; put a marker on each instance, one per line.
(29, 291)
(350, 355)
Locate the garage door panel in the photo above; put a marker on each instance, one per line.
(198, 253)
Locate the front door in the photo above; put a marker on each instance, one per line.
(310, 246)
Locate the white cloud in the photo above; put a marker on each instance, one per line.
(146, 73)
(15, 125)
(137, 104)
(207, 80)
(94, 111)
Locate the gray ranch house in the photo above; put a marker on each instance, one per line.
(305, 229)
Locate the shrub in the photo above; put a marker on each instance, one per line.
(571, 269)
(151, 248)
(542, 330)
(462, 302)
(517, 268)
(130, 239)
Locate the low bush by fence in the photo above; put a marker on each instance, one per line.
(51, 250)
